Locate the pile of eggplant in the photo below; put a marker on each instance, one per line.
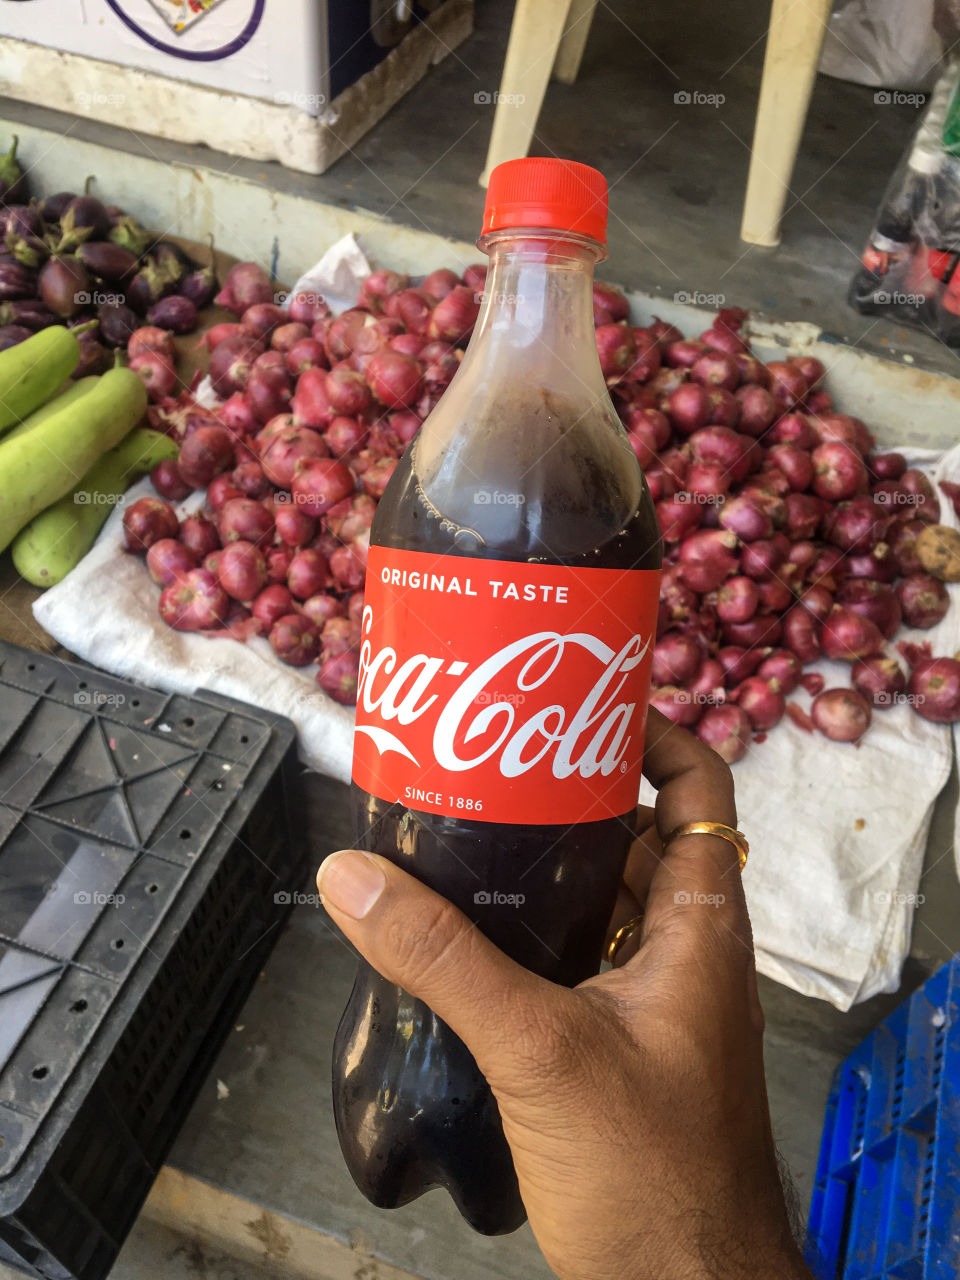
(70, 259)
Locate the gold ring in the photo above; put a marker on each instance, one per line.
(704, 828)
(620, 937)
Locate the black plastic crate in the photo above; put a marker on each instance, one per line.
(149, 844)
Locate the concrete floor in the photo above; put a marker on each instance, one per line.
(677, 175)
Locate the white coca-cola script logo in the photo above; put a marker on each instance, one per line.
(588, 739)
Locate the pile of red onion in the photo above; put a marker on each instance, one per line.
(786, 538)
(315, 412)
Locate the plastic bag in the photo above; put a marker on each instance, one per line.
(893, 44)
(910, 268)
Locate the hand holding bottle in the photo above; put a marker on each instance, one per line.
(634, 1104)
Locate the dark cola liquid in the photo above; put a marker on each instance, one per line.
(412, 1109)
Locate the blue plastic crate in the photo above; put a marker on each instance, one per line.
(886, 1202)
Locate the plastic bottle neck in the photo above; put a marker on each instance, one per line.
(537, 308)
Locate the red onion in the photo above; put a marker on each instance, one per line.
(720, 338)
(817, 601)
(801, 635)
(167, 558)
(643, 443)
(804, 512)
(706, 559)
(321, 608)
(762, 701)
(340, 333)
(902, 537)
(286, 450)
(646, 359)
(310, 405)
(294, 640)
(236, 416)
(838, 471)
(857, 524)
(761, 560)
(841, 714)
(231, 363)
(347, 391)
(720, 447)
(879, 680)
(294, 526)
(146, 521)
(708, 683)
(843, 429)
(199, 535)
(776, 595)
(308, 573)
(678, 517)
(795, 463)
(380, 284)
(726, 408)
(273, 603)
(737, 600)
(246, 284)
(204, 454)
(727, 730)
(811, 368)
(757, 409)
(787, 383)
(616, 348)
(761, 629)
(454, 316)
(678, 705)
(242, 519)
(156, 373)
(340, 635)
(877, 564)
(338, 677)
(782, 666)
(813, 682)
(746, 519)
(707, 482)
(194, 601)
(349, 565)
(220, 490)
(685, 353)
(249, 479)
(872, 600)
(887, 466)
(242, 572)
(320, 483)
(802, 554)
(795, 429)
(609, 305)
(934, 689)
(394, 379)
(306, 354)
(920, 492)
(689, 408)
(818, 402)
(844, 634)
(307, 308)
(278, 563)
(665, 334)
(168, 481)
(377, 477)
(924, 600)
(268, 392)
(738, 663)
(676, 659)
(828, 567)
(715, 369)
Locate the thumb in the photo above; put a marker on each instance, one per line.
(420, 941)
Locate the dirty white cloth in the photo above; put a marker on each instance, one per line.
(837, 832)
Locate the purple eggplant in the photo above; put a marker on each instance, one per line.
(83, 219)
(23, 235)
(11, 334)
(108, 261)
(200, 285)
(117, 322)
(129, 234)
(64, 286)
(151, 283)
(175, 312)
(52, 208)
(17, 281)
(13, 181)
(29, 312)
(93, 357)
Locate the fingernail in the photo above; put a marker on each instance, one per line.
(351, 882)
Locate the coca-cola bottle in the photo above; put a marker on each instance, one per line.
(509, 617)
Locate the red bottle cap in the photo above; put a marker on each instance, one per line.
(540, 191)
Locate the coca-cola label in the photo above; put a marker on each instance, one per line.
(503, 691)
